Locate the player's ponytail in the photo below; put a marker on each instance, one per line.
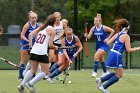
(121, 25)
(49, 21)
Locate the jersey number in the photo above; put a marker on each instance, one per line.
(98, 38)
(40, 38)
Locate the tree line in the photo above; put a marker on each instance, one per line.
(16, 11)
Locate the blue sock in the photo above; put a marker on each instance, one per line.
(21, 68)
(111, 81)
(107, 77)
(54, 67)
(104, 67)
(55, 73)
(96, 66)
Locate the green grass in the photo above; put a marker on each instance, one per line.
(82, 82)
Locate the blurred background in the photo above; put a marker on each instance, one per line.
(14, 14)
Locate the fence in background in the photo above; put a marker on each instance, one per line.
(10, 51)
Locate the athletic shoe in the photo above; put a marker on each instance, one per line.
(50, 80)
(21, 89)
(104, 74)
(30, 87)
(20, 78)
(58, 78)
(94, 74)
(98, 82)
(103, 90)
(45, 77)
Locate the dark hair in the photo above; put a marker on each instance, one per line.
(119, 24)
(49, 21)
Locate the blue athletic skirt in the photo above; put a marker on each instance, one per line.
(114, 60)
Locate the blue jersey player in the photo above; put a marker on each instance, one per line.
(102, 34)
(24, 42)
(66, 55)
(121, 41)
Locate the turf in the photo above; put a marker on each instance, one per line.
(82, 82)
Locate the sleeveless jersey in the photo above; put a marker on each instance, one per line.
(70, 52)
(100, 35)
(30, 29)
(119, 46)
(42, 41)
(58, 30)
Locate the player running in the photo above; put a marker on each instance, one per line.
(24, 42)
(102, 34)
(66, 55)
(39, 53)
(121, 41)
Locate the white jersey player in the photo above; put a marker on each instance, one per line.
(39, 53)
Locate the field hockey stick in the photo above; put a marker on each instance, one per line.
(67, 47)
(86, 42)
(66, 73)
(9, 62)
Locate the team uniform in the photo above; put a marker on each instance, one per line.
(24, 45)
(58, 30)
(100, 35)
(40, 48)
(115, 55)
(70, 51)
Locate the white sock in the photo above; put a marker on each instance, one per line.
(27, 77)
(38, 77)
(39, 69)
(28, 67)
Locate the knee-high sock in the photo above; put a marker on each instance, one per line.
(21, 69)
(54, 67)
(111, 81)
(95, 66)
(38, 77)
(27, 77)
(107, 77)
(28, 67)
(55, 73)
(104, 67)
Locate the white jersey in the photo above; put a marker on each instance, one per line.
(58, 30)
(42, 42)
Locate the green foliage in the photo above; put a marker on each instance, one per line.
(15, 11)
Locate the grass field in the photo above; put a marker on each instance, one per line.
(82, 82)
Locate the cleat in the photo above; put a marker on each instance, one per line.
(58, 78)
(104, 74)
(20, 78)
(21, 89)
(98, 82)
(30, 87)
(50, 80)
(94, 74)
(103, 90)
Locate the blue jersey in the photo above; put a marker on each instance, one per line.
(23, 42)
(115, 55)
(72, 51)
(100, 35)
(118, 46)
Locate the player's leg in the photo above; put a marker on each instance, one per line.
(28, 77)
(24, 55)
(103, 66)
(57, 64)
(61, 68)
(97, 56)
(44, 62)
(28, 67)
